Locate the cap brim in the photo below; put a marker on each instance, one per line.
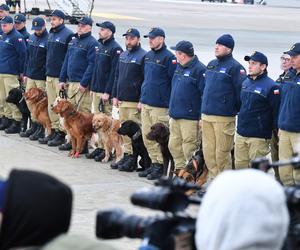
(37, 28)
(130, 34)
(291, 53)
(150, 36)
(100, 25)
(18, 22)
(173, 47)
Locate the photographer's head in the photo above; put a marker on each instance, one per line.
(35, 209)
(243, 210)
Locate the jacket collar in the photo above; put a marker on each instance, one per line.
(135, 48)
(57, 29)
(109, 40)
(224, 58)
(43, 34)
(83, 35)
(191, 63)
(163, 47)
(263, 75)
(23, 30)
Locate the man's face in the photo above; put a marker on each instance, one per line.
(296, 62)
(56, 21)
(181, 57)
(20, 26)
(256, 68)
(7, 27)
(221, 50)
(285, 62)
(105, 33)
(83, 29)
(131, 42)
(156, 42)
(3, 13)
(39, 32)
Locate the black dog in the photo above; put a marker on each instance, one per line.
(161, 133)
(15, 96)
(133, 131)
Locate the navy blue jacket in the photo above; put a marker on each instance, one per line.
(260, 100)
(35, 66)
(158, 73)
(223, 82)
(129, 75)
(107, 57)
(79, 61)
(13, 53)
(25, 34)
(187, 90)
(289, 112)
(57, 47)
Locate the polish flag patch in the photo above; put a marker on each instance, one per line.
(20, 39)
(174, 61)
(242, 71)
(118, 51)
(276, 91)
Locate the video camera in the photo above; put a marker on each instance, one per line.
(292, 196)
(173, 230)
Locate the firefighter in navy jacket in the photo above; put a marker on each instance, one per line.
(12, 59)
(185, 105)
(58, 40)
(220, 104)
(289, 118)
(258, 115)
(159, 68)
(106, 61)
(127, 90)
(35, 70)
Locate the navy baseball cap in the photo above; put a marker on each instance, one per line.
(132, 32)
(38, 23)
(4, 7)
(294, 50)
(7, 19)
(19, 18)
(226, 40)
(257, 57)
(107, 25)
(86, 21)
(58, 13)
(154, 32)
(185, 47)
(2, 194)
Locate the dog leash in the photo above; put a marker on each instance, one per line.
(63, 94)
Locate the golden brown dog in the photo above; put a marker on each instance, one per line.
(38, 101)
(78, 124)
(108, 127)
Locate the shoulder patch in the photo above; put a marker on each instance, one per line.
(119, 52)
(276, 92)
(242, 72)
(174, 61)
(20, 39)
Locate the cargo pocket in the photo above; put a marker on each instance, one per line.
(227, 137)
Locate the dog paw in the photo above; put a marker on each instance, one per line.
(76, 155)
(71, 153)
(105, 159)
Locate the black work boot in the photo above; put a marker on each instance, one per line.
(146, 171)
(57, 140)
(65, 147)
(14, 128)
(5, 123)
(100, 157)
(130, 165)
(45, 140)
(38, 134)
(30, 131)
(115, 165)
(97, 151)
(157, 172)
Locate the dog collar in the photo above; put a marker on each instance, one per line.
(137, 134)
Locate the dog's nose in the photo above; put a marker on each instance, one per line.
(51, 106)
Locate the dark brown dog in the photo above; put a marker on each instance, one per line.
(38, 100)
(160, 133)
(78, 124)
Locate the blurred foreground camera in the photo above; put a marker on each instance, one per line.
(173, 230)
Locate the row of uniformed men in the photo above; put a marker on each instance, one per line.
(159, 86)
